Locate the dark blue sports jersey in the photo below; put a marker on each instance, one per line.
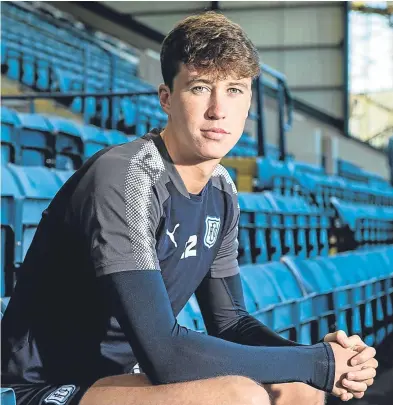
(117, 254)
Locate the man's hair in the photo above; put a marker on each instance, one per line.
(211, 44)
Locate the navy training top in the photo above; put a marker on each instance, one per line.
(117, 254)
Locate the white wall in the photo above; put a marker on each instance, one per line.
(304, 41)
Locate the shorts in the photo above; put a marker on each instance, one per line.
(45, 394)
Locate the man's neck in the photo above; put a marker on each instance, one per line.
(194, 172)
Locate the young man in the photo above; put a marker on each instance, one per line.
(133, 234)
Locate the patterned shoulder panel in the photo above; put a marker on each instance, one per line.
(222, 180)
(145, 169)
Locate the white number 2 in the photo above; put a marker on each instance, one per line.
(189, 249)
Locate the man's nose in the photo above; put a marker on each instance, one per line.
(216, 110)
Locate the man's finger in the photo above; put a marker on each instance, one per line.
(365, 359)
(369, 382)
(358, 395)
(362, 375)
(339, 336)
(354, 386)
(346, 396)
(355, 340)
(365, 354)
(342, 339)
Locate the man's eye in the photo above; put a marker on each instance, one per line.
(199, 89)
(234, 90)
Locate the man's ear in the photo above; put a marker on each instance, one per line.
(164, 94)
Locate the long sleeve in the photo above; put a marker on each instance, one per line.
(222, 304)
(169, 353)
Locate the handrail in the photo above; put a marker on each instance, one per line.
(112, 96)
(32, 96)
(285, 107)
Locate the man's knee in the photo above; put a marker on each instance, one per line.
(246, 391)
(295, 393)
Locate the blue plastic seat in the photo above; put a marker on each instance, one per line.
(255, 246)
(367, 223)
(10, 129)
(62, 175)
(349, 267)
(13, 61)
(10, 226)
(190, 316)
(94, 139)
(38, 185)
(275, 175)
(379, 272)
(325, 303)
(7, 396)
(115, 137)
(44, 75)
(36, 140)
(250, 300)
(68, 143)
(276, 295)
(29, 69)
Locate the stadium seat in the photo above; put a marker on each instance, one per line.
(184, 318)
(68, 143)
(330, 305)
(279, 300)
(38, 185)
(62, 175)
(36, 140)
(275, 175)
(258, 240)
(94, 140)
(10, 129)
(10, 226)
(353, 272)
(362, 224)
(115, 137)
(7, 396)
(190, 316)
(305, 227)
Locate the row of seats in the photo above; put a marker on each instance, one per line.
(47, 34)
(43, 140)
(290, 178)
(362, 224)
(40, 139)
(351, 171)
(46, 63)
(272, 225)
(304, 299)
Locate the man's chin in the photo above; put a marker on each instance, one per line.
(214, 154)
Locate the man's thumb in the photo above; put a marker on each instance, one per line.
(343, 339)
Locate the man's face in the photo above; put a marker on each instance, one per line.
(208, 116)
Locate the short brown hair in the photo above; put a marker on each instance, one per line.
(211, 43)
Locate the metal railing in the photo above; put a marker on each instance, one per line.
(280, 90)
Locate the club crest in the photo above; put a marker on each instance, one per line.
(212, 229)
(61, 395)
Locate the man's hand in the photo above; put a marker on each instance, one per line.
(357, 381)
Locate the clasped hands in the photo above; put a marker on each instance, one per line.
(355, 365)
